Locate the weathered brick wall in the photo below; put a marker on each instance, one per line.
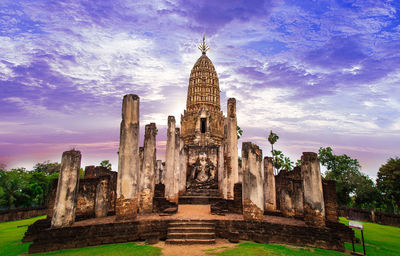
(331, 208)
(99, 171)
(366, 215)
(45, 239)
(82, 236)
(264, 232)
(20, 214)
(289, 192)
(86, 198)
(87, 192)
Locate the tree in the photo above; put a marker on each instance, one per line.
(106, 164)
(388, 182)
(239, 131)
(344, 170)
(366, 194)
(47, 167)
(21, 188)
(13, 184)
(273, 138)
(281, 162)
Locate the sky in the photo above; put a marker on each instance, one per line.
(317, 73)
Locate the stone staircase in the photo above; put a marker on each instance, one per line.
(186, 232)
(199, 196)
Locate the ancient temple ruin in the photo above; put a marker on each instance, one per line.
(201, 169)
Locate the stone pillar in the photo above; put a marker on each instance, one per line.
(221, 173)
(314, 208)
(170, 162)
(253, 191)
(159, 172)
(269, 185)
(183, 157)
(101, 202)
(128, 160)
(177, 165)
(67, 190)
(231, 147)
(147, 174)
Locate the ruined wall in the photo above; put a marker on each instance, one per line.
(262, 232)
(67, 189)
(370, 216)
(253, 193)
(289, 192)
(99, 171)
(314, 207)
(331, 208)
(128, 160)
(20, 214)
(269, 185)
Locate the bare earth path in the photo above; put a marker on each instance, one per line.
(195, 249)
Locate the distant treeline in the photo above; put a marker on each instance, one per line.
(20, 188)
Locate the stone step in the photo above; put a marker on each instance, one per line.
(203, 190)
(190, 241)
(191, 229)
(192, 221)
(191, 224)
(198, 199)
(200, 194)
(191, 235)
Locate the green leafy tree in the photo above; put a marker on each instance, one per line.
(273, 138)
(14, 185)
(21, 188)
(366, 194)
(239, 131)
(344, 170)
(281, 162)
(388, 182)
(47, 167)
(106, 164)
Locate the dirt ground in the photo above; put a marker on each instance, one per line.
(193, 250)
(192, 212)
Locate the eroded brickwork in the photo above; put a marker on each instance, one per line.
(67, 190)
(253, 192)
(331, 207)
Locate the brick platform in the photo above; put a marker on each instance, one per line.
(152, 227)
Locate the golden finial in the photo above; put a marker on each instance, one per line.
(203, 47)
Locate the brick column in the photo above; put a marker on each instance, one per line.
(269, 185)
(148, 172)
(314, 208)
(67, 190)
(128, 160)
(253, 192)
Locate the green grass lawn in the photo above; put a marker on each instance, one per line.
(12, 232)
(380, 240)
(254, 249)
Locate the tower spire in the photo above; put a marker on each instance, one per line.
(203, 47)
